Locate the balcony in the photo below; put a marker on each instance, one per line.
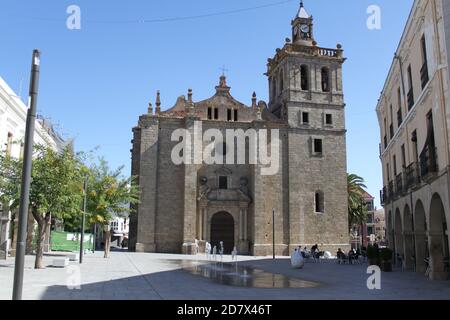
(410, 99)
(399, 185)
(391, 190)
(383, 197)
(411, 176)
(428, 162)
(424, 78)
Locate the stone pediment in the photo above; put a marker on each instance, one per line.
(223, 171)
(221, 100)
(228, 195)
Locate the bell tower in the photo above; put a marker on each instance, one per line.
(305, 80)
(306, 95)
(302, 27)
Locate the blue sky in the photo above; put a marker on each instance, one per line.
(95, 82)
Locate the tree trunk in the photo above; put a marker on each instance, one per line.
(107, 243)
(42, 230)
(30, 233)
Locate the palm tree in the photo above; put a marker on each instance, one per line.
(357, 210)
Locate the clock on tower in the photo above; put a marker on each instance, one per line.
(302, 27)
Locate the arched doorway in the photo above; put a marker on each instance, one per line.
(420, 234)
(438, 239)
(222, 229)
(408, 238)
(399, 252)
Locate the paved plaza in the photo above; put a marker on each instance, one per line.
(158, 276)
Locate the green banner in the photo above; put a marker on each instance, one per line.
(69, 241)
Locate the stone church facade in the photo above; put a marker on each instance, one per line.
(234, 203)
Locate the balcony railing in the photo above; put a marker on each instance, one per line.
(410, 99)
(428, 163)
(399, 185)
(391, 190)
(411, 176)
(383, 197)
(424, 78)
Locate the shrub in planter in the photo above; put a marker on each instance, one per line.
(386, 259)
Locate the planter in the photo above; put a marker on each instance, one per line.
(386, 266)
(373, 262)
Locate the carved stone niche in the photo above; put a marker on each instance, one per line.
(243, 185)
(203, 189)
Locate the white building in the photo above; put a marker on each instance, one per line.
(13, 115)
(120, 226)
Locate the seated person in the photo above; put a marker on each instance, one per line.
(340, 254)
(351, 255)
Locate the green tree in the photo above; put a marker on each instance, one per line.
(56, 190)
(109, 194)
(10, 177)
(357, 210)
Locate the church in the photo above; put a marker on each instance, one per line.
(303, 202)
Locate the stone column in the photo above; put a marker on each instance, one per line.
(243, 247)
(191, 167)
(148, 185)
(408, 245)
(420, 251)
(436, 257)
(205, 224)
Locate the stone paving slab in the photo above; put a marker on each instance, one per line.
(137, 276)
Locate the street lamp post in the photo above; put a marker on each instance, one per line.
(26, 178)
(273, 233)
(83, 220)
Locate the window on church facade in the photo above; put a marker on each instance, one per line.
(209, 113)
(229, 114)
(329, 119)
(305, 118)
(304, 77)
(319, 203)
(274, 88)
(235, 115)
(281, 82)
(317, 146)
(223, 182)
(216, 113)
(325, 79)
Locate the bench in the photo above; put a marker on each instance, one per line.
(60, 262)
(73, 256)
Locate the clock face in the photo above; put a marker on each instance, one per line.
(304, 28)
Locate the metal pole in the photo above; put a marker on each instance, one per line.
(273, 233)
(83, 220)
(93, 238)
(26, 179)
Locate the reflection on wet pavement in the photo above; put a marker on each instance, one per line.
(232, 274)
